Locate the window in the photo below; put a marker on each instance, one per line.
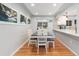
(68, 23)
(42, 25)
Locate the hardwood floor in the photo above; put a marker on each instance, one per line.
(59, 50)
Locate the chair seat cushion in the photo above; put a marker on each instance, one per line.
(50, 39)
(33, 38)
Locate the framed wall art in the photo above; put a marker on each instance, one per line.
(7, 14)
(22, 19)
(29, 21)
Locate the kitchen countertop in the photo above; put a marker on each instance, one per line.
(67, 32)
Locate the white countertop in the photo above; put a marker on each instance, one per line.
(67, 32)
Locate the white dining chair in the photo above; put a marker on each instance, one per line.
(41, 42)
(51, 40)
(31, 40)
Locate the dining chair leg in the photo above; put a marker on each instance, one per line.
(38, 50)
(28, 43)
(48, 45)
(53, 44)
(46, 49)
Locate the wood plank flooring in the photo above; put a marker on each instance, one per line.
(59, 50)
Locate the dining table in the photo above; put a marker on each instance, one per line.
(35, 35)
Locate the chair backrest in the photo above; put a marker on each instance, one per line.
(42, 41)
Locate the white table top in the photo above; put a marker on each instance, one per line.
(41, 36)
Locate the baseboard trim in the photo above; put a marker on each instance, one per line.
(67, 47)
(19, 48)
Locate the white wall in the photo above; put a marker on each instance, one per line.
(41, 19)
(13, 35)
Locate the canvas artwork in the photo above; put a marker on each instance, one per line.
(29, 21)
(7, 14)
(22, 19)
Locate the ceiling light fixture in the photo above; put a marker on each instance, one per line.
(32, 4)
(54, 4)
(50, 13)
(36, 13)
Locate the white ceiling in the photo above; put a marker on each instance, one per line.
(44, 8)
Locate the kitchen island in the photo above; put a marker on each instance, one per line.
(70, 39)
